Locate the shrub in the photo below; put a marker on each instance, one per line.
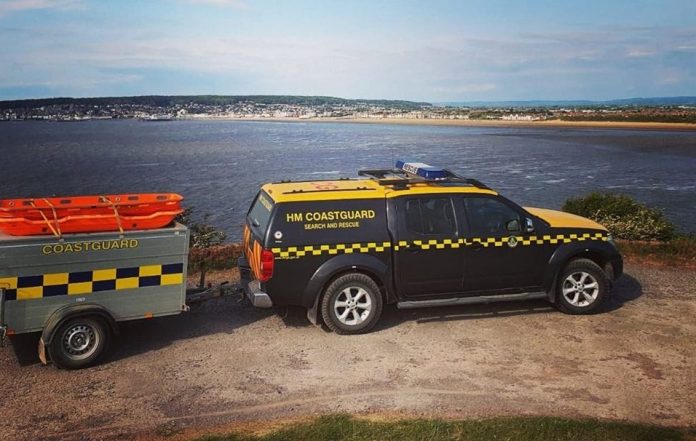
(205, 245)
(216, 257)
(680, 251)
(624, 217)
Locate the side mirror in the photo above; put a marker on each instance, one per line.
(529, 225)
(513, 226)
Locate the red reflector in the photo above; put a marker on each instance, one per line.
(267, 261)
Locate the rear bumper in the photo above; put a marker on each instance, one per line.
(252, 287)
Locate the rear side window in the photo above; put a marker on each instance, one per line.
(260, 213)
(430, 216)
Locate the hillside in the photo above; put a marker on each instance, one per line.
(210, 100)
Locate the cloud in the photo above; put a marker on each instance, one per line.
(237, 4)
(605, 63)
(640, 53)
(10, 6)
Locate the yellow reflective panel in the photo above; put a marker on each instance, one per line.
(33, 292)
(103, 274)
(55, 279)
(128, 283)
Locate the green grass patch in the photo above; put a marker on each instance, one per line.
(680, 251)
(344, 427)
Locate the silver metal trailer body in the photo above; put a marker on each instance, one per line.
(45, 280)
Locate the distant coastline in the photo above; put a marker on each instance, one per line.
(466, 122)
(675, 113)
(554, 123)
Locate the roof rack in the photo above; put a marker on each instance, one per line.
(291, 181)
(400, 178)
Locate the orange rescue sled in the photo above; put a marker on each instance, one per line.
(88, 214)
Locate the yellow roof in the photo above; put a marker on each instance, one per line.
(357, 189)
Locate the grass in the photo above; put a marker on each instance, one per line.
(347, 428)
(680, 251)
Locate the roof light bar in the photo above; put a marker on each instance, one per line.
(422, 170)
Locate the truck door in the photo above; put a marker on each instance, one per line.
(497, 257)
(426, 265)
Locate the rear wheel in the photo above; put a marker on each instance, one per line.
(79, 342)
(582, 287)
(352, 304)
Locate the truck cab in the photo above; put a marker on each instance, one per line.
(417, 236)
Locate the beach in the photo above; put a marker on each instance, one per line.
(469, 122)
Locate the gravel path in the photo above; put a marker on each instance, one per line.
(226, 362)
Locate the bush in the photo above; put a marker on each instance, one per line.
(624, 217)
(205, 246)
(218, 257)
(680, 251)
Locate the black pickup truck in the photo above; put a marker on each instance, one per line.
(417, 236)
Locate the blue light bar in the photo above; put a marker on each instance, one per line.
(424, 171)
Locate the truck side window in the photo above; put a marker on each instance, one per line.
(489, 217)
(430, 216)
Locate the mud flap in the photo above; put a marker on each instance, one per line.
(42, 351)
(313, 313)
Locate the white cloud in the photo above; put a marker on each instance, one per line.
(640, 53)
(237, 4)
(570, 65)
(9, 6)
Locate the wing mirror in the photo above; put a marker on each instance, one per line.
(529, 225)
(513, 226)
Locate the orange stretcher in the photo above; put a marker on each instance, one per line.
(88, 214)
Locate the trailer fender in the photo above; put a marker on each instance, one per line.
(72, 311)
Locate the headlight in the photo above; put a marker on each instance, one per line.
(610, 239)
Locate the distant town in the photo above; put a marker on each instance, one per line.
(169, 108)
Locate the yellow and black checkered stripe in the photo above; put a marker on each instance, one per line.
(338, 248)
(88, 282)
(347, 248)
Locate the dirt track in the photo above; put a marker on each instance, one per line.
(226, 362)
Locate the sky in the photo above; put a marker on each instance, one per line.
(431, 51)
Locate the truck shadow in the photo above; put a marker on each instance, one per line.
(217, 316)
(225, 315)
(221, 315)
(625, 290)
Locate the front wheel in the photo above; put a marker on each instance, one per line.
(582, 287)
(352, 304)
(79, 342)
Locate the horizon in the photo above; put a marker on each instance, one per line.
(443, 52)
(551, 100)
(578, 100)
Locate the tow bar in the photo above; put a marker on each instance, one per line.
(199, 295)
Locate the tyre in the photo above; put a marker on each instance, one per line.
(352, 304)
(79, 342)
(582, 287)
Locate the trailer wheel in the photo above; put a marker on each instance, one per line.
(79, 342)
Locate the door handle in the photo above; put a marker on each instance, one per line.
(413, 248)
(476, 246)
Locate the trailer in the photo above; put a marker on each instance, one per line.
(76, 288)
